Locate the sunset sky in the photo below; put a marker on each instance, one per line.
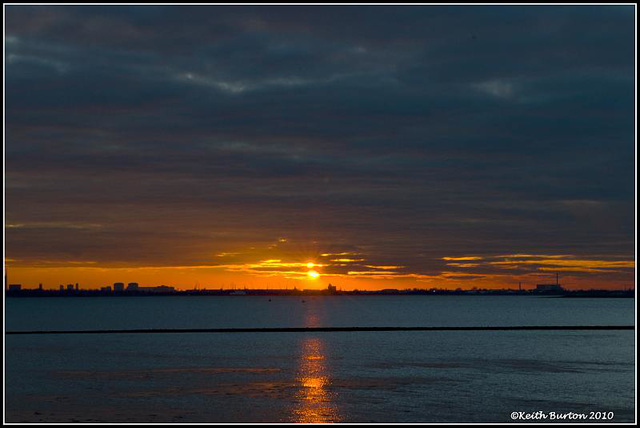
(366, 147)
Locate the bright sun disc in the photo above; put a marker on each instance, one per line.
(310, 265)
(313, 274)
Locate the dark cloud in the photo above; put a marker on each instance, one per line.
(413, 133)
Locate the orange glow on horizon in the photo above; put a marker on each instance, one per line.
(276, 269)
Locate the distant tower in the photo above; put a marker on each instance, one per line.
(520, 286)
(77, 287)
(40, 287)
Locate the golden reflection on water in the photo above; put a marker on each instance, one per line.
(314, 402)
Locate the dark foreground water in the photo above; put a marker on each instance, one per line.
(451, 376)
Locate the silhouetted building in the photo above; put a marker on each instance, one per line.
(158, 289)
(132, 286)
(331, 289)
(118, 286)
(15, 287)
(106, 289)
(548, 287)
(69, 287)
(77, 287)
(40, 286)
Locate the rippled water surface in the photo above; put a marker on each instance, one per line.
(321, 377)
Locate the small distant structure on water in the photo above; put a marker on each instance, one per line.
(15, 287)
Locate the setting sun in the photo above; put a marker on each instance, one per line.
(313, 273)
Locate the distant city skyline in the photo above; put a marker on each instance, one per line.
(370, 147)
(546, 284)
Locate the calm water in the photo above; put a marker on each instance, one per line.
(320, 377)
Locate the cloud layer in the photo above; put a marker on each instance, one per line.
(163, 135)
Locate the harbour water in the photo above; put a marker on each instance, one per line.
(438, 376)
